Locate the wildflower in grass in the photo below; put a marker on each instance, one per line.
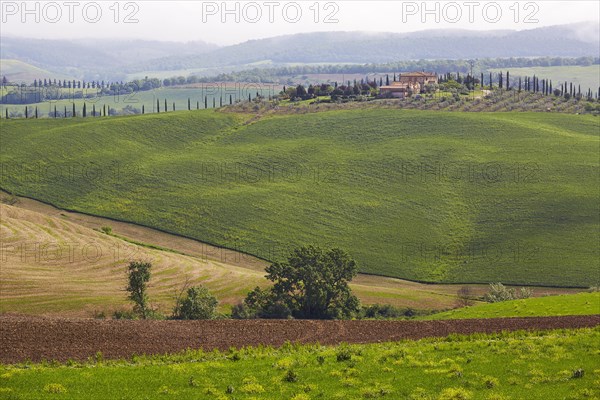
(55, 388)
(455, 394)
(301, 396)
(491, 382)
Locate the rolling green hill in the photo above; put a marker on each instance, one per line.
(428, 196)
(571, 304)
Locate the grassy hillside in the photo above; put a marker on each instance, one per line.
(71, 269)
(572, 304)
(531, 365)
(75, 271)
(430, 196)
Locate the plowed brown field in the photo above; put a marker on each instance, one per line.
(37, 338)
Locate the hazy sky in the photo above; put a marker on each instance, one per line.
(237, 21)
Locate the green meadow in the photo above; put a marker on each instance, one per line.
(572, 304)
(148, 99)
(586, 76)
(420, 195)
(535, 365)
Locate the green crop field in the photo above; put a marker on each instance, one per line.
(586, 76)
(428, 196)
(148, 99)
(573, 304)
(534, 365)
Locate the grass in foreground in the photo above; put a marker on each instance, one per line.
(575, 304)
(541, 365)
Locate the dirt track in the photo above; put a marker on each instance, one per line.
(36, 338)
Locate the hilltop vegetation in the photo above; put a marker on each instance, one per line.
(428, 196)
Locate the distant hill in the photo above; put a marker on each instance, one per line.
(362, 47)
(93, 59)
(114, 59)
(19, 71)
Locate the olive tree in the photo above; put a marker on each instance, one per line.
(313, 283)
(138, 277)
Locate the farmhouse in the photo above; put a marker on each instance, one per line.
(411, 82)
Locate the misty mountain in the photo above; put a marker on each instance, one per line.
(113, 59)
(361, 47)
(89, 58)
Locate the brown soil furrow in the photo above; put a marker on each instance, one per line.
(38, 338)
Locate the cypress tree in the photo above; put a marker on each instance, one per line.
(173, 106)
(36, 113)
(189, 104)
(26, 113)
(221, 101)
(6, 111)
(197, 105)
(543, 86)
(166, 109)
(249, 98)
(519, 84)
(507, 80)
(65, 116)
(84, 111)
(55, 111)
(94, 110)
(491, 83)
(387, 80)
(104, 109)
(158, 106)
(143, 109)
(214, 102)
(205, 102)
(230, 99)
(500, 80)
(74, 114)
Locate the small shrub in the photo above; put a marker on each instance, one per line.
(320, 360)
(123, 314)
(291, 376)
(498, 292)
(106, 229)
(578, 373)
(382, 311)
(198, 304)
(230, 389)
(491, 382)
(343, 354)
